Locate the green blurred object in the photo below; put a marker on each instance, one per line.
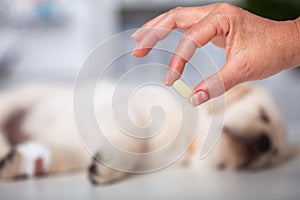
(273, 9)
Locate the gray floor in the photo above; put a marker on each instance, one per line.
(280, 182)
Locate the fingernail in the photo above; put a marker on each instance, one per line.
(171, 77)
(198, 98)
(135, 50)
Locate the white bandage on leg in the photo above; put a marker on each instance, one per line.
(30, 152)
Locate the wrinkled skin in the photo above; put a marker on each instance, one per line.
(256, 48)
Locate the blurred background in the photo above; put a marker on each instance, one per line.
(48, 41)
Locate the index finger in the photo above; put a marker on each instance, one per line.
(137, 35)
(178, 18)
(197, 36)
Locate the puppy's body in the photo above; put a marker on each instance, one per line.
(253, 132)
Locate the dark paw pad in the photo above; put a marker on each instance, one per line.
(93, 169)
(8, 157)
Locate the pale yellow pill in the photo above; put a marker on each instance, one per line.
(182, 88)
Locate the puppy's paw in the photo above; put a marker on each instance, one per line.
(100, 174)
(26, 160)
(9, 165)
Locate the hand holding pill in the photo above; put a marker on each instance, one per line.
(256, 48)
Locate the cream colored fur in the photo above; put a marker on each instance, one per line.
(50, 122)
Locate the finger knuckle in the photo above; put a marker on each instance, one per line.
(225, 15)
(229, 10)
(174, 12)
(189, 37)
(227, 7)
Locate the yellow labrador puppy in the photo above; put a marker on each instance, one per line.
(38, 133)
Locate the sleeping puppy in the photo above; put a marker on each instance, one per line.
(38, 133)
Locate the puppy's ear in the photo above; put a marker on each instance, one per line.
(233, 96)
(226, 129)
(263, 115)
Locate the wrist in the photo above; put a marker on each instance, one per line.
(292, 43)
(297, 42)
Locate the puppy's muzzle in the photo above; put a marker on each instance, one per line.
(263, 143)
(253, 147)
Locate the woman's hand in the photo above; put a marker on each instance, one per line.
(256, 47)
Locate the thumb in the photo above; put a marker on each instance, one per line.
(215, 85)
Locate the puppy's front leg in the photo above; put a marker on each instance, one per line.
(4, 146)
(115, 161)
(25, 160)
(33, 158)
(99, 173)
